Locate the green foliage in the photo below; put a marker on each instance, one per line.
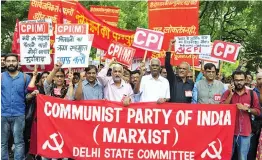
(238, 22)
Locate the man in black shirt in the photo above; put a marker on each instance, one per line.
(180, 87)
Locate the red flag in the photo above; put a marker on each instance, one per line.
(15, 43)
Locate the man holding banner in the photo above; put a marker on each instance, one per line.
(115, 88)
(248, 104)
(209, 90)
(149, 85)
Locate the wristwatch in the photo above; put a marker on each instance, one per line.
(249, 110)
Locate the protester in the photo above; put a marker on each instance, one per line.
(100, 66)
(257, 121)
(90, 88)
(153, 87)
(116, 89)
(40, 84)
(76, 78)
(163, 72)
(13, 96)
(190, 76)
(58, 88)
(127, 75)
(134, 77)
(180, 86)
(208, 90)
(3, 67)
(249, 79)
(241, 96)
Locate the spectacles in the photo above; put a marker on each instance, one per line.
(60, 76)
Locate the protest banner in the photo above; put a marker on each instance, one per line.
(39, 10)
(192, 44)
(107, 130)
(69, 10)
(72, 45)
(15, 42)
(225, 51)
(183, 22)
(122, 53)
(149, 40)
(34, 43)
(108, 14)
(104, 33)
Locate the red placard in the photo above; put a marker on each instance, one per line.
(140, 131)
(225, 51)
(148, 39)
(108, 14)
(183, 22)
(122, 53)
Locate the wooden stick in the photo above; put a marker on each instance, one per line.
(220, 67)
(144, 59)
(193, 65)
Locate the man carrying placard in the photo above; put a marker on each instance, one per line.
(180, 87)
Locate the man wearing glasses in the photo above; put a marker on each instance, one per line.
(180, 86)
(241, 96)
(209, 90)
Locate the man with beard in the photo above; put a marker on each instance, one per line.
(3, 68)
(153, 87)
(90, 88)
(13, 95)
(116, 89)
(208, 90)
(241, 96)
(180, 87)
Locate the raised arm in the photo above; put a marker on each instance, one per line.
(70, 91)
(101, 76)
(137, 86)
(168, 66)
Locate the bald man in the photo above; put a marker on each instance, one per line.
(153, 87)
(180, 87)
(115, 88)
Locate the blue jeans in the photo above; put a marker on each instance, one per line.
(15, 124)
(242, 144)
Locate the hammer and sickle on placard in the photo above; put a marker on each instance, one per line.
(58, 147)
(217, 152)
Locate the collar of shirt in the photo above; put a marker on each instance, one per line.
(187, 80)
(160, 78)
(246, 91)
(111, 82)
(256, 90)
(85, 82)
(17, 76)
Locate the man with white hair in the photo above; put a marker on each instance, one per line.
(180, 87)
(153, 87)
(116, 89)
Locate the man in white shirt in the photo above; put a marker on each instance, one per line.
(153, 87)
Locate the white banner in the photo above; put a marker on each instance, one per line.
(34, 43)
(193, 44)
